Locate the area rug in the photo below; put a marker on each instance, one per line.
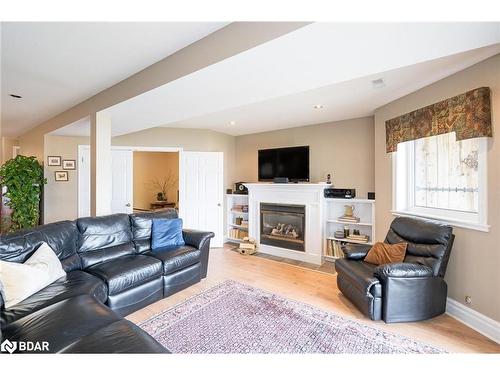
(235, 318)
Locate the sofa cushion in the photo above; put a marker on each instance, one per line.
(61, 324)
(21, 280)
(360, 275)
(175, 259)
(62, 237)
(384, 253)
(118, 337)
(127, 272)
(429, 242)
(141, 227)
(104, 238)
(166, 232)
(73, 284)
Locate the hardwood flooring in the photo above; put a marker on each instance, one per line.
(318, 289)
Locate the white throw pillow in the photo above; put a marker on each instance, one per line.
(21, 280)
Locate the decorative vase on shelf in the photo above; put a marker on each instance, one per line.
(349, 210)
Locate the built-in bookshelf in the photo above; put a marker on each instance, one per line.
(236, 229)
(364, 222)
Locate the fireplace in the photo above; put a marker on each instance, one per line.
(283, 225)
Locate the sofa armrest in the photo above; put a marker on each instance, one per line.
(402, 270)
(355, 251)
(196, 238)
(200, 240)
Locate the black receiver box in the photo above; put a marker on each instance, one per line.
(340, 193)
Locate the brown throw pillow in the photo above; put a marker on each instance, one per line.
(383, 253)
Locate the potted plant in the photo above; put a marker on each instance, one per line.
(164, 185)
(23, 179)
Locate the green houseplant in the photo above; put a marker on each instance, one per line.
(23, 178)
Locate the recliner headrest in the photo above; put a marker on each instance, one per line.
(422, 231)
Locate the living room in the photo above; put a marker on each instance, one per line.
(237, 188)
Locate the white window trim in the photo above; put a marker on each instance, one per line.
(402, 196)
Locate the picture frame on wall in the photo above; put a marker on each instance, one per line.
(54, 161)
(61, 176)
(69, 164)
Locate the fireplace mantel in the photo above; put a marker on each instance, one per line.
(308, 194)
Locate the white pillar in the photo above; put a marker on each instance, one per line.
(100, 164)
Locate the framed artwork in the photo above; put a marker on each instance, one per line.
(69, 164)
(53, 161)
(61, 176)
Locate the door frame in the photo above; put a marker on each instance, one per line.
(131, 148)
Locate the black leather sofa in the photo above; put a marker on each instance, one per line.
(400, 292)
(111, 272)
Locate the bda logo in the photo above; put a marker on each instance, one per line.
(8, 346)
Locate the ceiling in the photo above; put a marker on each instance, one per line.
(276, 84)
(56, 65)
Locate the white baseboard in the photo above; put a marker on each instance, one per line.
(475, 320)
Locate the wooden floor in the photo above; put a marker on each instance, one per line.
(319, 289)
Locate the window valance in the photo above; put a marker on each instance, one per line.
(468, 115)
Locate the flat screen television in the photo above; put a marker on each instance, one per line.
(291, 162)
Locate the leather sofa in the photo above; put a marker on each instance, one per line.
(400, 292)
(111, 272)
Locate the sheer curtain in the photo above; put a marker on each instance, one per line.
(446, 173)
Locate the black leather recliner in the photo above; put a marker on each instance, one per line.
(401, 292)
(111, 272)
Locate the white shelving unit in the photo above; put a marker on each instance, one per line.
(231, 201)
(363, 208)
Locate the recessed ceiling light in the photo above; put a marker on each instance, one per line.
(15, 96)
(318, 106)
(232, 123)
(378, 83)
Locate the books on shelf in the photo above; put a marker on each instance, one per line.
(349, 219)
(334, 249)
(240, 208)
(358, 237)
(237, 234)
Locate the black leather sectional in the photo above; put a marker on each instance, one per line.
(111, 272)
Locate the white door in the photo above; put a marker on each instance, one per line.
(122, 181)
(201, 192)
(122, 197)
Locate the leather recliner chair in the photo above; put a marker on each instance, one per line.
(413, 290)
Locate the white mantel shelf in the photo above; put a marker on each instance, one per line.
(290, 185)
(308, 194)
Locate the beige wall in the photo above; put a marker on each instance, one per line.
(6, 148)
(61, 198)
(475, 260)
(151, 166)
(343, 148)
(189, 140)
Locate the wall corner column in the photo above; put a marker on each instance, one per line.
(100, 164)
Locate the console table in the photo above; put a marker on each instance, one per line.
(162, 204)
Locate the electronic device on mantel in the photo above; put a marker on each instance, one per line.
(239, 188)
(340, 193)
(278, 164)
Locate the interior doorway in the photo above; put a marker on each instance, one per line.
(156, 180)
(189, 181)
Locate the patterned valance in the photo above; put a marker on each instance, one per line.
(468, 115)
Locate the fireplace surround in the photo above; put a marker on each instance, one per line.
(310, 197)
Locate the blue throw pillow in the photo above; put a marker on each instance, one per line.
(166, 233)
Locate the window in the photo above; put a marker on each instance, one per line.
(439, 177)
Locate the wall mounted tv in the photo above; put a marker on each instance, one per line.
(290, 162)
